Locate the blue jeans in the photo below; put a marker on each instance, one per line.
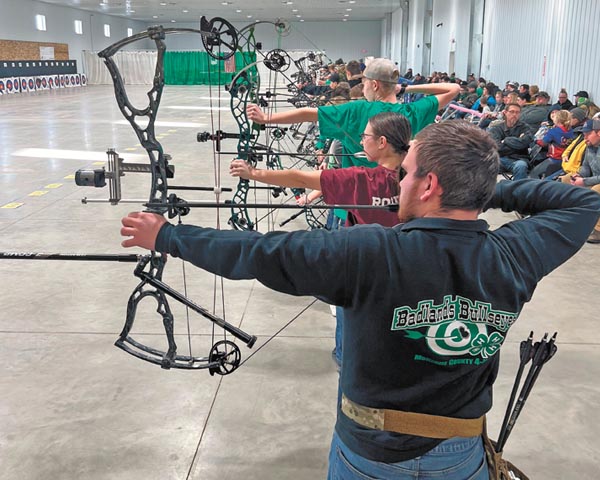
(518, 167)
(333, 221)
(454, 459)
(555, 175)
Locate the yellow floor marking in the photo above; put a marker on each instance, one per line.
(70, 177)
(54, 185)
(98, 163)
(172, 131)
(38, 193)
(12, 205)
(131, 149)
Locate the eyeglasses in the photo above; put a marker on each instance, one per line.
(363, 135)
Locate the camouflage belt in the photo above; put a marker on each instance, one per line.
(418, 424)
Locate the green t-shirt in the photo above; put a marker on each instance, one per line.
(347, 121)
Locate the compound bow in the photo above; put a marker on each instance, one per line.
(220, 41)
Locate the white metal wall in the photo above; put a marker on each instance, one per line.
(451, 32)
(551, 43)
(396, 36)
(416, 16)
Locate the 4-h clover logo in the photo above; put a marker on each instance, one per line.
(486, 346)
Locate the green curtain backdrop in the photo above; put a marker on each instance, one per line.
(198, 68)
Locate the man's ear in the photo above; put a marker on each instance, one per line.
(432, 186)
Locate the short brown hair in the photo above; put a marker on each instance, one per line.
(465, 159)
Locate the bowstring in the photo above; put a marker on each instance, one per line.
(187, 309)
(218, 282)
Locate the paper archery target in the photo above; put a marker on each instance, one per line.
(38, 83)
(24, 84)
(50, 82)
(2, 86)
(31, 84)
(77, 80)
(44, 83)
(62, 81)
(72, 80)
(83, 79)
(12, 85)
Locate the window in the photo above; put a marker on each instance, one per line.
(106, 30)
(78, 27)
(40, 22)
(129, 32)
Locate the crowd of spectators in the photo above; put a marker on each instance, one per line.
(536, 138)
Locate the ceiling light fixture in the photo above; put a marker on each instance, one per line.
(348, 9)
(173, 21)
(154, 16)
(294, 10)
(248, 16)
(238, 11)
(163, 4)
(185, 11)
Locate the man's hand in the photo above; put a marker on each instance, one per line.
(255, 114)
(577, 180)
(142, 228)
(241, 168)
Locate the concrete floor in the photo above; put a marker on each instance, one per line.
(72, 406)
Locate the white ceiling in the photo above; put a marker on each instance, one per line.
(190, 11)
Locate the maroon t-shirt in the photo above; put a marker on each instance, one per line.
(362, 186)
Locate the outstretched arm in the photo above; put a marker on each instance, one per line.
(283, 178)
(444, 92)
(298, 115)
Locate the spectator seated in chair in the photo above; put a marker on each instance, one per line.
(572, 157)
(513, 138)
(556, 140)
(588, 175)
(534, 115)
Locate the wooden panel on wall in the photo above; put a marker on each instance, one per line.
(19, 50)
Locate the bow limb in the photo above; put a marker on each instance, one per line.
(242, 89)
